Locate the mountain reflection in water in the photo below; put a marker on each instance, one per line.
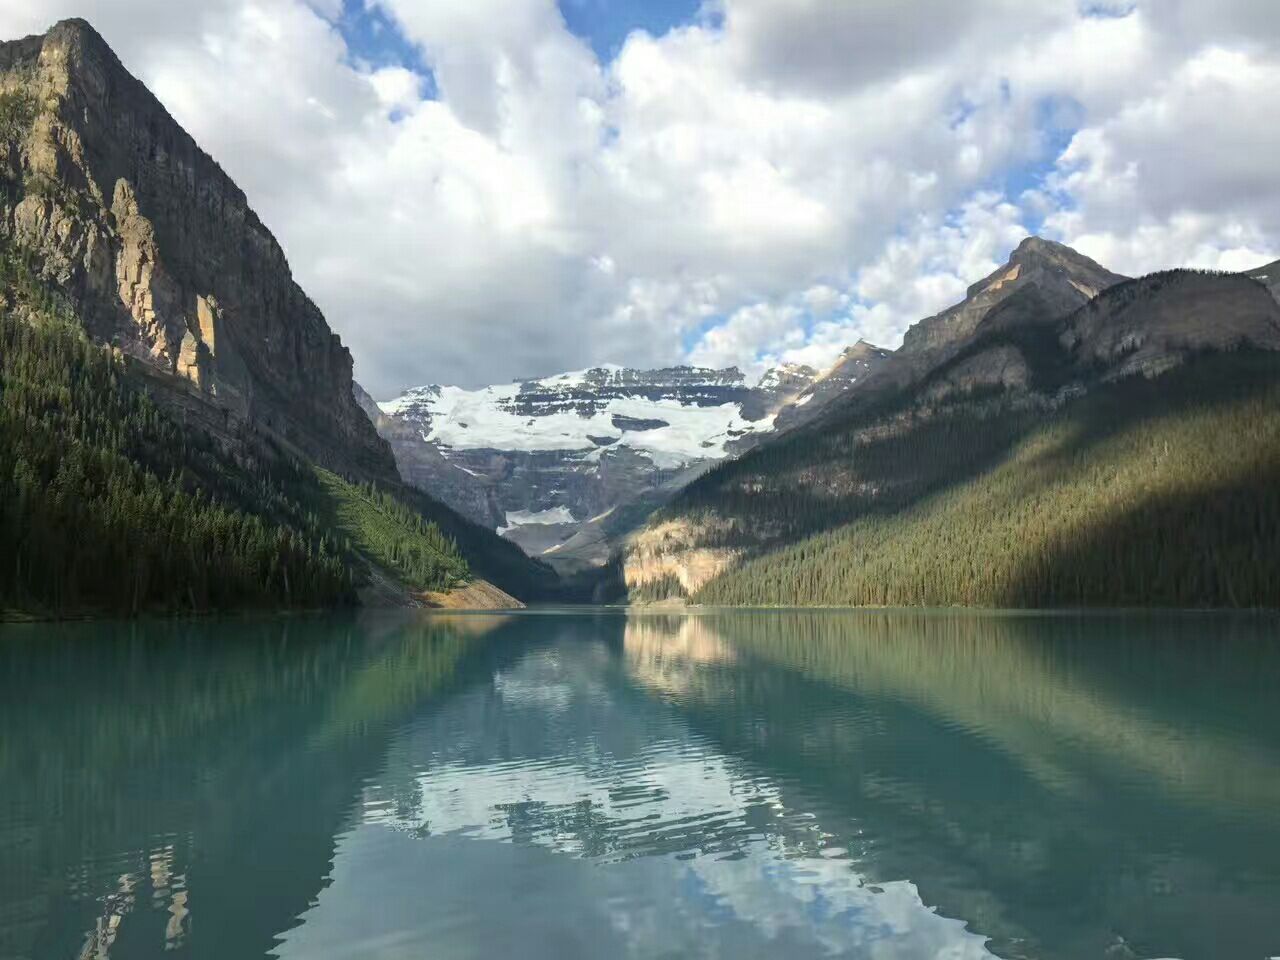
(736, 784)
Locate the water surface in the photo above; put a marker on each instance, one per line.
(765, 784)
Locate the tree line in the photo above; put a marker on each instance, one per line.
(1147, 492)
(107, 505)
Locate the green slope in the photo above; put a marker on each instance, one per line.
(1144, 492)
(426, 544)
(110, 506)
(391, 534)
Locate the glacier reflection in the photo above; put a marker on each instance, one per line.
(605, 826)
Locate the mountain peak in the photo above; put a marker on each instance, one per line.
(81, 40)
(1042, 262)
(183, 276)
(1038, 244)
(861, 350)
(1061, 278)
(1037, 251)
(75, 26)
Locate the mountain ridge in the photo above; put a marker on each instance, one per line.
(950, 408)
(561, 464)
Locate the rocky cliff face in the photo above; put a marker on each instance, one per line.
(564, 464)
(857, 364)
(159, 253)
(1157, 322)
(677, 550)
(1061, 278)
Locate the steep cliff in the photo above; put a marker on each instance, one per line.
(171, 397)
(158, 252)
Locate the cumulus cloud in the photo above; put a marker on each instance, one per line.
(920, 272)
(825, 48)
(769, 182)
(1185, 174)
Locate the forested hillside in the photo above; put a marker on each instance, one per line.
(108, 505)
(177, 425)
(1163, 492)
(1126, 454)
(105, 505)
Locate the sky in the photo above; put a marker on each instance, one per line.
(480, 190)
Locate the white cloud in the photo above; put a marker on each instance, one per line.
(823, 300)
(821, 47)
(810, 172)
(397, 88)
(750, 329)
(1185, 174)
(920, 272)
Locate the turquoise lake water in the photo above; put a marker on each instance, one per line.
(562, 785)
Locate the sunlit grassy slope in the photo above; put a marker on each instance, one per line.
(391, 534)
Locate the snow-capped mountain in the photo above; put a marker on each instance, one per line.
(563, 463)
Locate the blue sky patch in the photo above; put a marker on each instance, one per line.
(605, 24)
(374, 39)
(693, 336)
(1057, 120)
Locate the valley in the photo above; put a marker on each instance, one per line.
(575, 480)
(566, 465)
(176, 410)
(1063, 436)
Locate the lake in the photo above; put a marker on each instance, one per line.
(564, 784)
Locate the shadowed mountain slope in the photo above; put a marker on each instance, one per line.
(959, 472)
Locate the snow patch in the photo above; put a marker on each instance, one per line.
(576, 378)
(476, 420)
(600, 516)
(773, 376)
(519, 518)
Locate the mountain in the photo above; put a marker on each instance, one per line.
(855, 365)
(1061, 437)
(160, 254)
(1041, 278)
(178, 428)
(563, 465)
